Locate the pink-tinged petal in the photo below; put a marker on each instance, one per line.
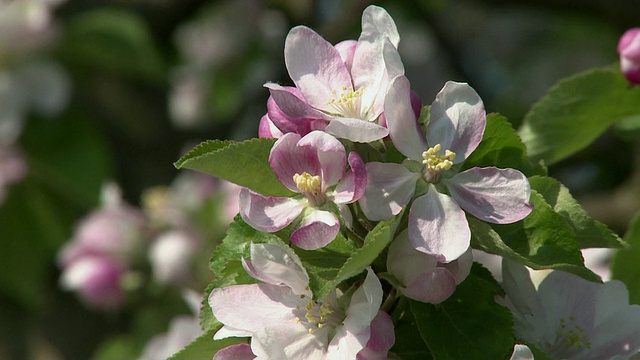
(431, 286)
(461, 267)
(272, 265)
(235, 352)
(287, 159)
(419, 272)
(330, 154)
(268, 213)
(390, 187)
(405, 262)
(353, 185)
(356, 130)
(457, 120)
(267, 129)
(381, 339)
(401, 121)
(255, 306)
(376, 22)
(438, 227)
(287, 341)
(281, 120)
(499, 196)
(347, 49)
(318, 229)
(315, 66)
(292, 104)
(346, 345)
(364, 306)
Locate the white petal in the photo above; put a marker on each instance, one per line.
(273, 265)
(390, 187)
(438, 227)
(403, 127)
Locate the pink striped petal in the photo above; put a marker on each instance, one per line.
(401, 121)
(268, 213)
(318, 229)
(235, 352)
(356, 130)
(499, 196)
(457, 120)
(330, 154)
(438, 226)
(287, 159)
(315, 66)
(390, 187)
(352, 186)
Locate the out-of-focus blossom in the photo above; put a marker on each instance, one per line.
(437, 222)
(312, 166)
(25, 25)
(12, 168)
(423, 278)
(342, 87)
(629, 50)
(571, 318)
(115, 230)
(283, 320)
(183, 329)
(171, 255)
(98, 281)
(96, 261)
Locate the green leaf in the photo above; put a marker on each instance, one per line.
(115, 40)
(409, 344)
(589, 232)
(323, 264)
(469, 325)
(625, 262)
(576, 111)
(204, 347)
(245, 163)
(501, 147)
(543, 240)
(374, 244)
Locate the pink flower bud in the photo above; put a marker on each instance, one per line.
(629, 49)
(97, 280)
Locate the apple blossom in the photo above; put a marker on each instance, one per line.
(571, 318)
(313, 167)
(13, 168)
(437, 222)
(285, 322)
(98, 281)
(170, 256)
(629, 50)
(339, 89)
(422, 277)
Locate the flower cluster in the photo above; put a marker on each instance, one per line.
(367, 185)
(356, 92)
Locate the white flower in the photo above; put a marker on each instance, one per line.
(571, 318)
(282, 318)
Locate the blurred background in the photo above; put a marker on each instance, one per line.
(105, 245)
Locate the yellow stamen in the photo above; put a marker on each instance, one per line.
(307, 183)
(436, 162)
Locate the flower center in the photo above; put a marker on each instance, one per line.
(307, 183)
(310, 186)
(317, 316)
(436, 164)
(573, 335)
(348, 102)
